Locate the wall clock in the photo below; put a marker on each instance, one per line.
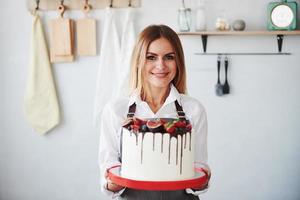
(282, 15)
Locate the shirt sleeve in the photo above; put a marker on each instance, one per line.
(200, 130)
(199, 123)
(108, 146)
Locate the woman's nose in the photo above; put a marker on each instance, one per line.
(160, 63)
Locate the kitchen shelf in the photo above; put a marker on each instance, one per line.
(244, 54)
(279, 36)
(241, 33)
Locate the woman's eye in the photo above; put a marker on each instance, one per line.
(169, 57)
(150, 57)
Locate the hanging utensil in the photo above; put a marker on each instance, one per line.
(219, 87)
(226, 88)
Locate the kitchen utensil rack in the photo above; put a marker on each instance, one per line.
(244, 54)
(279, 36)
(44, 5)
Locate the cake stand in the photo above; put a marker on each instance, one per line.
(200, 180)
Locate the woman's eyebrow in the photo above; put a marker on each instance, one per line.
(157, 55)
(170, 53)
(151, 53)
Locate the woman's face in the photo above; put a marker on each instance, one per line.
(160, 66)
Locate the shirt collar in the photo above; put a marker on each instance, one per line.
(173, 96)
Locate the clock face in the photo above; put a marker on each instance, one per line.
(282, 16)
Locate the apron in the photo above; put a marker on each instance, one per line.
(109, 66)
(133, 194)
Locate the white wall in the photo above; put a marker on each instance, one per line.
(253, 132)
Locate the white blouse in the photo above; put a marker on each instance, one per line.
(114, 114)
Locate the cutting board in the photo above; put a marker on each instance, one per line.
(61, 40)
(86, 37)
(61, 36)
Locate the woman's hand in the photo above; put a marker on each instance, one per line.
(208, 173)
(112, 186)
(200, 188)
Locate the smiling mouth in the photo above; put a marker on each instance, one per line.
(160, 75)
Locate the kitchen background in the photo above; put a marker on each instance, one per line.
(254, 132)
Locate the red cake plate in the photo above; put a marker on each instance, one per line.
(200, 180)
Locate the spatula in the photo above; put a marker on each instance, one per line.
(226, 88)
(219, 87)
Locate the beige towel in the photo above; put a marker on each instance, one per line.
(41, 104)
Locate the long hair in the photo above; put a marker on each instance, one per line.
(138, 59)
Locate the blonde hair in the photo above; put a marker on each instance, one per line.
(138, 59)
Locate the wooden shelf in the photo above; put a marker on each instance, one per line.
(244, 54)
(279, 35)
(242, 33)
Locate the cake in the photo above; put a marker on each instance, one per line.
(157, 150)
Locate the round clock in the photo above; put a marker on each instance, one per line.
(282, 15)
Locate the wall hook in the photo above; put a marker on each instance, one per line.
(61, 8)
(279, 42)
(37, 5)
(86, 7)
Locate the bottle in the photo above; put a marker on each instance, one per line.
(200, 22)
(184, 19)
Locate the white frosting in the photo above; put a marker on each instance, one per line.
(143, 159)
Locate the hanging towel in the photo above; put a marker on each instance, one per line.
(107, 77)
(41, 104)
(127, 45)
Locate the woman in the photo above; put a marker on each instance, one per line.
(158, 80)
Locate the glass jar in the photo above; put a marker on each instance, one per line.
(222, 23)
(184, 19)
(200, 22)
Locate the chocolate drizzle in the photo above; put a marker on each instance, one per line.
(143, 135)
(183, 134)
(169, 155)
(190, 141)
(153, 142)
(162, 142)
(185, 141)
(136, 139)
(177, 152)
(181, 153)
